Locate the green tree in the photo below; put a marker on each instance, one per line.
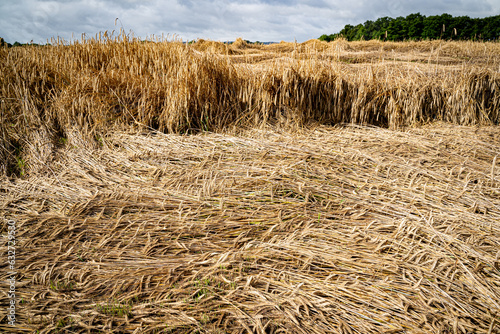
(360, 32)
(398, 29)
(381, 26)
(348, 32)
(415, 25)
(432, 27)
(328, 38)
(324, 37)
(477, 29)
(491, 28)
(369, 29)
(464, 26)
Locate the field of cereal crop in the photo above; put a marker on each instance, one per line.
(162, 187)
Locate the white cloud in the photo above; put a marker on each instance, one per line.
(270, 20)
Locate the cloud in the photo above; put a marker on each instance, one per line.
(264, 20)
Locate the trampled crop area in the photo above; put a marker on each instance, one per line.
(301, 188)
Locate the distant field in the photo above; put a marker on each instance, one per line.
(342, 187)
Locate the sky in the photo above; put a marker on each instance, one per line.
(219, 20)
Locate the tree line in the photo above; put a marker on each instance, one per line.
(421, 27)
(3, 43)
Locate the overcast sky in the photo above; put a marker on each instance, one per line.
(263, 20)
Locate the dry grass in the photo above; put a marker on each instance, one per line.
(341, 230)
(172, 87)
(213, 47)
(132, 217)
